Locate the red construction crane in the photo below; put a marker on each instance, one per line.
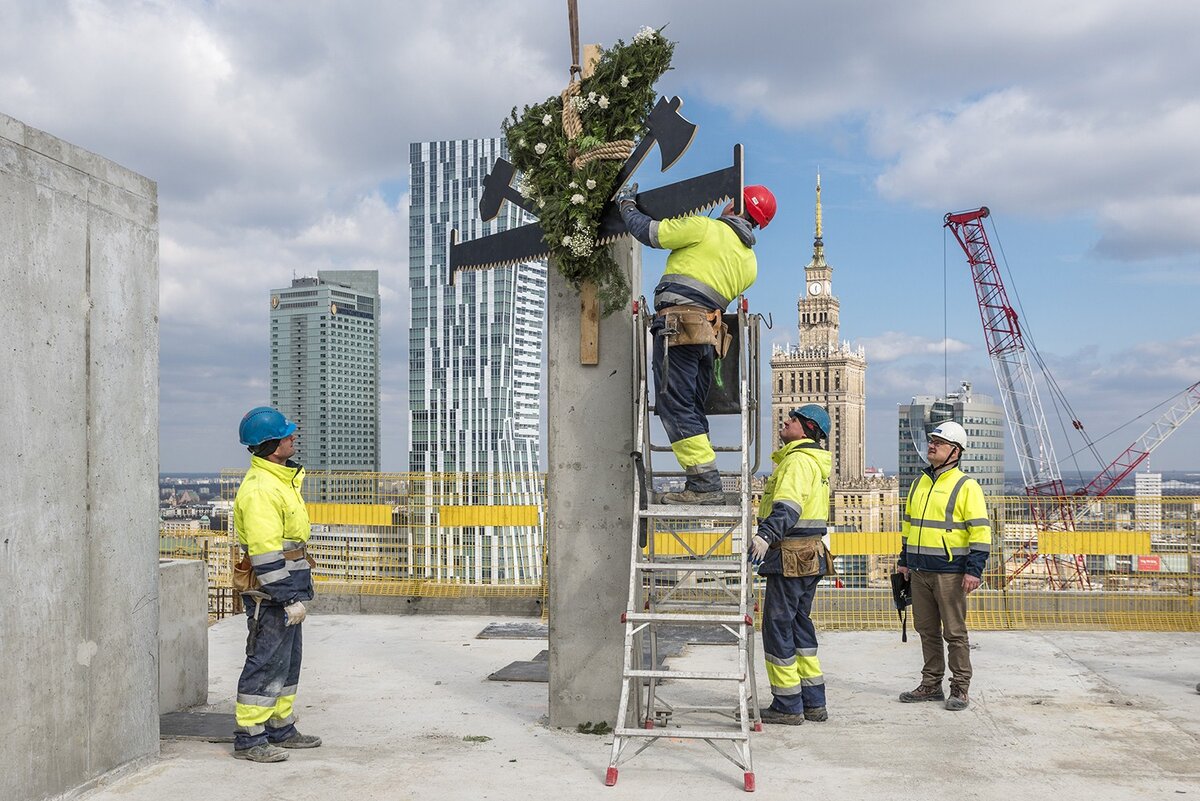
(1051, 507)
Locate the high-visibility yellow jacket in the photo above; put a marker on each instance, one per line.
(270, 519)
(711, 261)
(795, 500)
(945, 526)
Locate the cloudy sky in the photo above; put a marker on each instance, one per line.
(278, 134)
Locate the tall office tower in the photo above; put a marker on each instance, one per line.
(325, 367)
(474, 357)
(984, 424)
(1147, 493)
(823, 370)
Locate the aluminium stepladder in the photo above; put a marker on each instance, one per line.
(688, 568)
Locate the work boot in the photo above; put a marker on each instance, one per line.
(958, 700)
(299, 740)
(817, 714)
(261, 753)
(925, 692)
(772, 715)
(692, 498)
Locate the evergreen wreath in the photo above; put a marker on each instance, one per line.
(569, 162)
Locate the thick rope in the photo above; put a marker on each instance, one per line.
(572, 124)
(619, 149)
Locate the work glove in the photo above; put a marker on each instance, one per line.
(294, 613)
(758, 549)
(627, 194)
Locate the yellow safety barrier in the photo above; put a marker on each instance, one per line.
(1128, 563)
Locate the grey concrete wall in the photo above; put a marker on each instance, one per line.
(78, 464)
(347, 604)
(182, 634)
(589, 485)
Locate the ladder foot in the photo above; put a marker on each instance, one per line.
(748, 782)
(610, 778)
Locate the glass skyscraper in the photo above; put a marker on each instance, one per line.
(474, 357)
(325, 367)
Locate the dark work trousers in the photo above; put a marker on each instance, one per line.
(267, 687)
(940, 615)
(680, 392)
(790, 643)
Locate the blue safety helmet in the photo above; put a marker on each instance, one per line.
(263, 423)
(815, 413)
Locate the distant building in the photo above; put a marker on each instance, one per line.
(325, 367)
(822, 369)
(825, 370)
(984, 424)
(475, 357)
(1147, 493)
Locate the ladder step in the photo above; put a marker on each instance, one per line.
(682, 734)
(692, 564)
(680, 617)
(684, 674)
(690, 510)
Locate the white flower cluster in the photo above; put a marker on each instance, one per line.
(578, 199)
(547, 119)
(525, 186)
(539, 148)
(581, 103)
(581, 244)
(624, 81)
(646, 34)
(591, 184)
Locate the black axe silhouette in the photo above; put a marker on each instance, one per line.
(666, 126)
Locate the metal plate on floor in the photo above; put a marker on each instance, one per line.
(211, 727)
(514, 631)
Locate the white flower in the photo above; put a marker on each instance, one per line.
(521, 142)
(566, 241)
(572, 185)
(578, 199)
(591, 184)
(525, 187)
(591, 97)
(580, 103)
(541, 204)
(624, 80)
(547, 119)
(646, 34)
(539, 148)
(602, 102)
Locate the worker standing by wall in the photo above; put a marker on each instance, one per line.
(275, 579)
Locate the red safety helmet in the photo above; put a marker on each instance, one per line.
(759, 204)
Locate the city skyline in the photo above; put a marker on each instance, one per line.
(278, 140)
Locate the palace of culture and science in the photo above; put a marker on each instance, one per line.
(822, 369)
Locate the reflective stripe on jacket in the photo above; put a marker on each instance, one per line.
(708, 260)
(795, 500)
(270, 518)
(945, 526)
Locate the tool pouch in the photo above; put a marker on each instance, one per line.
(801, 556)
(244, 578)
(693, 325)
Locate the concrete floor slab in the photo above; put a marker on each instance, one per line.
(403, 703)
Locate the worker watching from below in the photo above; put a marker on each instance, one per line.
(790, 551)
(711, 263)
(275, 579)
(945, 541)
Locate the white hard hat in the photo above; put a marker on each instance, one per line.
(951, 432)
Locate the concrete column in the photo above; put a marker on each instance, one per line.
(590, 503)
(78, 465)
